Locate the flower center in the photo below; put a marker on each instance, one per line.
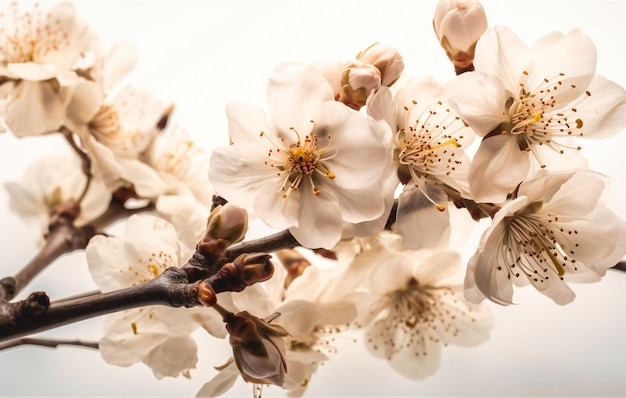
(106, 123)
(538, 115)
(33, 37)
(537, 247)
(298, 162)
(418, 312)
(426, 150)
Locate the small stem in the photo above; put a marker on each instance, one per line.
(63, 238)
(115, 212)
(267, 244)
(52, 343)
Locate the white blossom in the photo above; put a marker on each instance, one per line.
(43, 55)
(413, 305)
(528, 103)
(159, 336)
(556, 230)
(315, 165)
(429, 141)
(53, 181)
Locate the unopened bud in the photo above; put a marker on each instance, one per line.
(358, 80)
(458, 25)
(386, 59)
(228, 223)
(246, 270)
(258, 348)
(293, 262)
(254, 268)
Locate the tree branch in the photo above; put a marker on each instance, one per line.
(267, 244)
(171, 288)
(63, 238)
(42, 342)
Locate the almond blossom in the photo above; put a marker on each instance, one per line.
(429, 140)
(411, 305)
(52, 181)
(556, 230)
(313, 166)
(528, 103)
(43, 54)
(159, 336)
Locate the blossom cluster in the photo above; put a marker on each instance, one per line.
(369, 169)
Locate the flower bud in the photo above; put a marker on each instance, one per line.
(458, 25)
(254, 268)
(228, 223)
(386, 59)
(293, 262)
(358, 80)
(246, 270)
(258, 348)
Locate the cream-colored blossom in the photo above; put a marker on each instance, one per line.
(159, 336)
(554, 231)
(43, 55)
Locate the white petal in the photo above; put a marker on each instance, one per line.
(33, 71)
(293, 93)
(119, 62)
(572, 54)
(603, 113)
(172, 357)
(418, 220)
(278, 211)
(498, 167)
(361, 158)
(37, 109)
(319, 222)
(480, 99)
(221, 383)
(238, 176)
(419, 360)
(502, 53)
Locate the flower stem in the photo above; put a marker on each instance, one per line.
(267, 244)
(46, 342)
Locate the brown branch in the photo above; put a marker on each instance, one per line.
(62, 238)
(171, 288)
(46, 342)
(621, 266)
(267, 244)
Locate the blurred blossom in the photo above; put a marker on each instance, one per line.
(458, 25)
(181, 164)
(159, 336)
(43, 55)
(411, 305)
(313, 165)
(53, 181)
(556, 230)
(311, 324)
(529, 103)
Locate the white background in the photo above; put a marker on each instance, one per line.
(202, 55)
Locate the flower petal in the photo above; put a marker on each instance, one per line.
(293, 93)
(498, 167)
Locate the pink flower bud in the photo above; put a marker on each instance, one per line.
(358, 80)
(458, 25)
(386, 59)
